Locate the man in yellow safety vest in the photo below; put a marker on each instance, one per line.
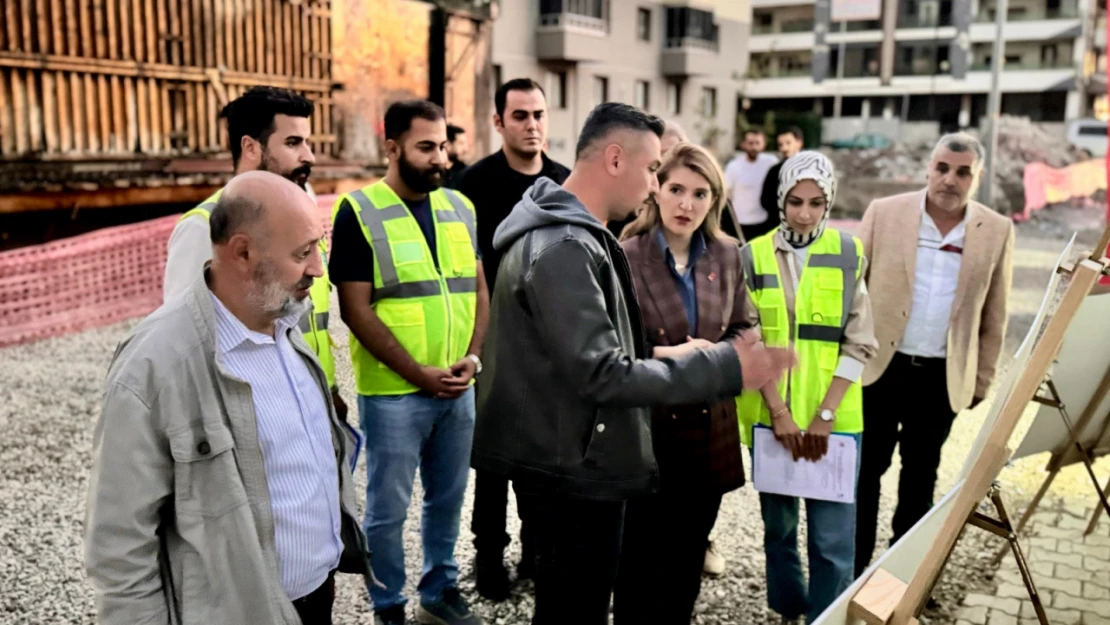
(268, 129)
(412, 291)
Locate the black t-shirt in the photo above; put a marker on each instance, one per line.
(495, 188)
(351, 259)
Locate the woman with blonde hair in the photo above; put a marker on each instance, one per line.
(691, 293)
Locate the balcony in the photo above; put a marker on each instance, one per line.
(573, 30)
(793, 26)
(691, 44)
(1030, 14)
(781, 72)
(857, 26)
(924, 21)
(1026, 66)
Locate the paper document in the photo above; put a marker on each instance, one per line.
(832, 478)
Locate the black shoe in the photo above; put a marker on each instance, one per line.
(491, 579)
(451, 609)
(390, 616)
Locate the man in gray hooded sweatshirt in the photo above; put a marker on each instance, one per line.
(563, 407)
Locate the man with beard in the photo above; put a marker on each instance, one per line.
(458, 149)
(268, 130)
(221, 489)
(495, 184)
(412, 291)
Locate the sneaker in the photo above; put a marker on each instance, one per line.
(451, 609)
(714, 562)
(390, 616)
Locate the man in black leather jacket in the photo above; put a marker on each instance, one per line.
(563, 407)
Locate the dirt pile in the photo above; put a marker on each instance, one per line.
(1020, 142)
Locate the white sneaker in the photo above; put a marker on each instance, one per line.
(714, 562)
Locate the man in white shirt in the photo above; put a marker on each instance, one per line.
(744, 178)
(940, 268)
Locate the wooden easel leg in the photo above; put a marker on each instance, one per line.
(1028, 514)
(1002, 527)
(1105, 492)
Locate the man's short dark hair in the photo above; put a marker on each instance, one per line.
(792, 130)
(454, 131)
(752, 131)
(232, 214)
(605, 118)
(252, 115)
(399, 116)
(516, 84)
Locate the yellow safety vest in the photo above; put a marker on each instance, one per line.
(430, 312)
(314, 325)
(821, 309)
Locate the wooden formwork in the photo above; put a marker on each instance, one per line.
(93, 79)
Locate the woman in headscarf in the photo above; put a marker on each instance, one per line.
(806, 282)
(691, 294)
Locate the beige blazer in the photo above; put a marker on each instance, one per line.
(978, 324)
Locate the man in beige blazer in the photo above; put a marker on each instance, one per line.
(939, 279)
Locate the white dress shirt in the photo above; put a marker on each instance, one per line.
(294, 433)
(934, 289)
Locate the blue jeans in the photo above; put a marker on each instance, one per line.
(831, 547)
(403, 433)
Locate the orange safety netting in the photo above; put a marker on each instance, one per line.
(88, 281)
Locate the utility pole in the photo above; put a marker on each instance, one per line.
(840, 51)
(994, 105)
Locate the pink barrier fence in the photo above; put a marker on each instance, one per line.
(88, 281)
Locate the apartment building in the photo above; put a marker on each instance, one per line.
(926, 60)
(679, 59)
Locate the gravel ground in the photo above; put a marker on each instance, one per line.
(50, 399)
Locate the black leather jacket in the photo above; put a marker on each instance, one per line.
(564, 400)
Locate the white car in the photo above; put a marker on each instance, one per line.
(1089, 135)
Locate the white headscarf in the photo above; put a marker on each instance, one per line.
(807, 165)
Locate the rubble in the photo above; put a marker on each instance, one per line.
(1020, 142)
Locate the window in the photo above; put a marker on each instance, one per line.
(601, 90)
(643, 95)
(643, 24)
(708, 102)
(674, 98)
(557, 87)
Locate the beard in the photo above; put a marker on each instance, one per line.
(298, 175)
(419, 180)
(269, 295)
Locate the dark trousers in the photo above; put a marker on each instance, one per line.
(315, 607)
(578, 547)
(662, 556)
(907, 406)
(491, 500)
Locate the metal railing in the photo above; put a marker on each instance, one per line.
(793, 26)
(983, 66)
(789, 72)
(924, 21)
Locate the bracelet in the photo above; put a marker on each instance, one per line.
(780, 413)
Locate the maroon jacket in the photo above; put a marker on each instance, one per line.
(696, 446)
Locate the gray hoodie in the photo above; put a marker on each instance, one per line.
(545, 203)
(564, 400)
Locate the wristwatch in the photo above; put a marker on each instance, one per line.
(477, 363)
(827, 415)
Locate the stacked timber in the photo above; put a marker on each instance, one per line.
(95, 80)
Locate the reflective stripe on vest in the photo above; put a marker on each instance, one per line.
(430, 307)
(822, 305)
(320, 294)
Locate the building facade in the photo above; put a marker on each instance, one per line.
(926, 60)
(680, 59)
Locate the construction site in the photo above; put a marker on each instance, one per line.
(110, 130)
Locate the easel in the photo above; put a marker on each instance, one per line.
(885, 599)
(1070, 452)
